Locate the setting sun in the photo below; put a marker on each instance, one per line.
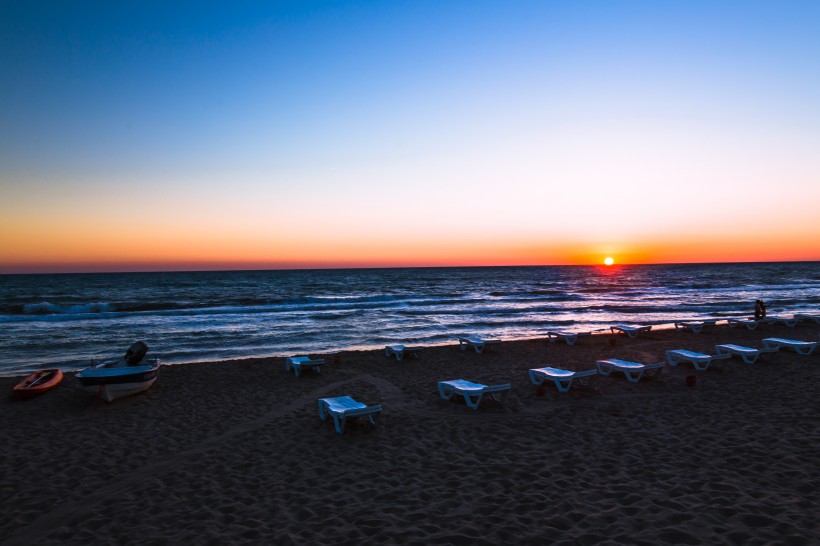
(608, 260)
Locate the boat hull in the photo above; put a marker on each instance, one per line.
(33, 386)
(113, 383)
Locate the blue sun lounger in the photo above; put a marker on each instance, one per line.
(400, 350)
(806, 316)
(748, 354)
(694, 326)
(699, 361)
(562, 378)
(477, 343)
(569, 337)
(750, 324)
(472, 392)
(342, 408)
(297, 362)
(791, 322)
(633, 371)
(800, 347)
(631, 330)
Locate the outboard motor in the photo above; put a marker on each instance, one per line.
(135, 354)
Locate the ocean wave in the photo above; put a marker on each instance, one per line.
(46, 308)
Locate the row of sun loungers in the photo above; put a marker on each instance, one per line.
(695, 326)
(700, 361)
(344, 407)
(749, 355)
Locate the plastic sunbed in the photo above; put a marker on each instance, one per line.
(400, 350)
(631, 330)
(750, 324)
(700, 361)
(472, 392)
(342, 408)
(632, 370)
(476, 343)
(569, 337)
(800, 347)
(791, 322)
(748, 354)
(694, 326)
(806, 316)
(297, 362)
(562, 378)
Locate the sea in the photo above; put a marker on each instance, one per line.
(68, 321)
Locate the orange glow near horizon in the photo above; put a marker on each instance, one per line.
(246, 233)
(108, 251)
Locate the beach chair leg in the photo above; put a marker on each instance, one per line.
(446, 394)
(561, 386)
(500, 396)
(535, 380)
(469, 400)
(631, 378)
(338, 421)
(586, 381)
(478, 347)
(296, 370)
(322, 414)
(604, 370)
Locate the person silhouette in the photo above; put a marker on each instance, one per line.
(760, 310)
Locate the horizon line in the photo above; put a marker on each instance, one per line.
(344, 268)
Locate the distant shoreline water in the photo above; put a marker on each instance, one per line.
(65, 320)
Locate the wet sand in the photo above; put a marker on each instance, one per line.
(234, 452)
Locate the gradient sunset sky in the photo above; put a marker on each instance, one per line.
(260, 135)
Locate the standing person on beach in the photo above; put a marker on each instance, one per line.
(760, 310)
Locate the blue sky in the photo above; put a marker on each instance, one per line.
(357, 105)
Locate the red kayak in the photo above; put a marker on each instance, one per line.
(37, 383)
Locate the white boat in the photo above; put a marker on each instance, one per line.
(123, 376)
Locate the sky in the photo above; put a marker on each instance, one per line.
(255, 135)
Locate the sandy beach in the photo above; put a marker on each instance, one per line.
(234, 452)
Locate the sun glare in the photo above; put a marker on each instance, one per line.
(608, 260)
